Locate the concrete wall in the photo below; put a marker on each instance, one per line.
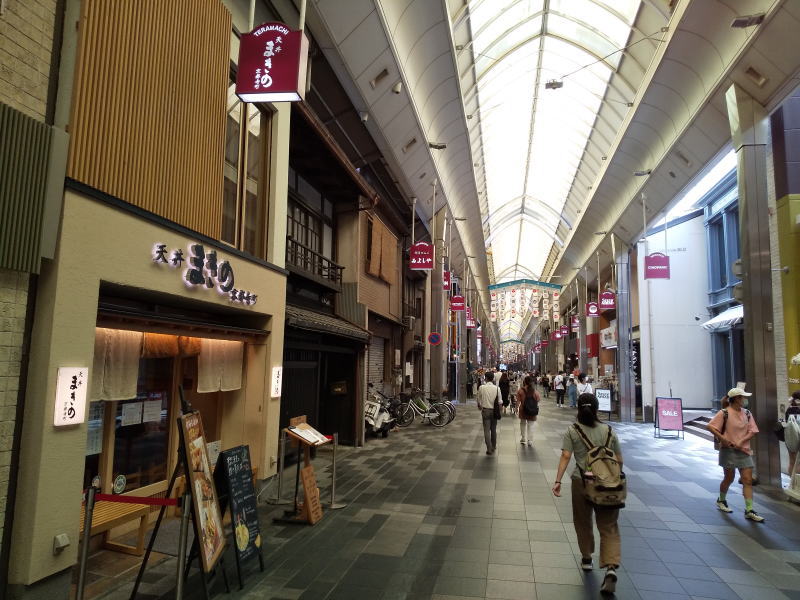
(26, 42)
(13, 304)
(675, 350)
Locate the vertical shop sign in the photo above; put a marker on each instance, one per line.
(272, 64)
(608, 300)
(70, 406)
(420, 257)
(457, 304)
(656, 266)
(277, 382)
(576, 323)
(446, 281)
(592, 310)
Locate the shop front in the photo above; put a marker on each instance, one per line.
(151, 314)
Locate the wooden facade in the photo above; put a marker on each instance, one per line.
(148, 114)
(380, 287)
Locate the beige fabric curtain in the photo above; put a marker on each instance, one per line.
(374, 266)
(388, 255)
(219, 366)
(115, 368)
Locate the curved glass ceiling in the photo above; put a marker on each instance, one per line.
(532, 139)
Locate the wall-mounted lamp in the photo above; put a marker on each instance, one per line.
(437, 145)
(553, 84)
(643, 173)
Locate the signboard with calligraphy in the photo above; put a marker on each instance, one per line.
(608, 300)
(70, 405)
(273, 61)
(203, 269)
(656, 266)
(420, 257)
(233, 476)
(207, 517)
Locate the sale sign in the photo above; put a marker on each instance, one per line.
(669, 414)
(420, 257)
(592, 309)
(656, 266)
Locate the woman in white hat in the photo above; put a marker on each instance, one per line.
(734, 427)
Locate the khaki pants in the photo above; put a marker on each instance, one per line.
(606, 525)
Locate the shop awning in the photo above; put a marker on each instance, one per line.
(309, 320)
(726, 319)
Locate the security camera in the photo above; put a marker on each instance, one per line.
(696, 318)
(397, 87)
(364, 116)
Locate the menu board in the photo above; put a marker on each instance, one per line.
(234, 477)
(208, 522)
(313, 507)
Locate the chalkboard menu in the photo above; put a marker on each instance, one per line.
(234, 478)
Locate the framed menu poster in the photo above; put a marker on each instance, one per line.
(207, 518)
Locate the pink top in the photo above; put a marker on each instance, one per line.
(737, 427)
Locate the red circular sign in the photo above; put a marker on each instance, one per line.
(435, 338)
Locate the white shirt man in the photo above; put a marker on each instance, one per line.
(487, 395)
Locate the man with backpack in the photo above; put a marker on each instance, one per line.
(733, 428)
(597, 485)
(528, 407)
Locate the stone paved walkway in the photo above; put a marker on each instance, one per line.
(429, 515)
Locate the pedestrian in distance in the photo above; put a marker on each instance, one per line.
(488, 394)
(792, 412)
(560, 385)
(599, 434)
(528, 407)
(505, 389)
(546, 384)
(572, 392)
(734, 427)
(584, 387)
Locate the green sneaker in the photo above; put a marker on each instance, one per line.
(723, 506)
(753, 516)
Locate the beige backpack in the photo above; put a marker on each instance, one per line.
(604, 483)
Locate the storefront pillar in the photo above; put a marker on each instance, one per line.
(626, 387)
(749, 132)
(438, 321)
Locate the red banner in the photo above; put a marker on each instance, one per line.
(608, 300)
(545, 343)
(420, 257)
(272, 64)
(576, 323)
(457, 303)
(656, 266)
(592, 309)
(564, 330)
(446, 281)
(669, 414)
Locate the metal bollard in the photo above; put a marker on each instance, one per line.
(186, 506)
(281, 453)
(87, 534)
(333, 505)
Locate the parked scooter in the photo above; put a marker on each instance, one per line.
(377, 416)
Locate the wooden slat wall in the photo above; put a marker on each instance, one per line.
(148, 114)
(24, 150)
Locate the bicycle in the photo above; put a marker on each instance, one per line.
(436, 413)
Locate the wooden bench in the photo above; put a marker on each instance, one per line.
(108, 515)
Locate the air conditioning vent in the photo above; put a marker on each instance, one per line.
(408, 322)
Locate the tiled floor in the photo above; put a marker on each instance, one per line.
(429, 515)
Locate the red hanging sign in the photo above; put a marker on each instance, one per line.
(556, 335)
(470, 320)
(446, 281)
(656, 266)
(565, 330)
(545, 343)
(420, 257)
(272, 64)
(608, 300)
(457, 304)
(592, 309)
(576, 323)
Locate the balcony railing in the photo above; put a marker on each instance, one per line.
(312, 263)
(410, 310)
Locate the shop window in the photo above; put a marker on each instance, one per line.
(717, 255)
(245, 192)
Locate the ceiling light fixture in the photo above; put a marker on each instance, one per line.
(553, 84)
(643, 173)
(408, 145)
(378, 78)
(600, 232)
(437, 145)
(748, 21)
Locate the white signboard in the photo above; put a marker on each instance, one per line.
(132, 413)
(277, 378)
(603, 400)
(70, 406)
(151, 411)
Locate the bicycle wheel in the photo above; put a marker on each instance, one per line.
(405, 415)
(438, 414)
(452, 409)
